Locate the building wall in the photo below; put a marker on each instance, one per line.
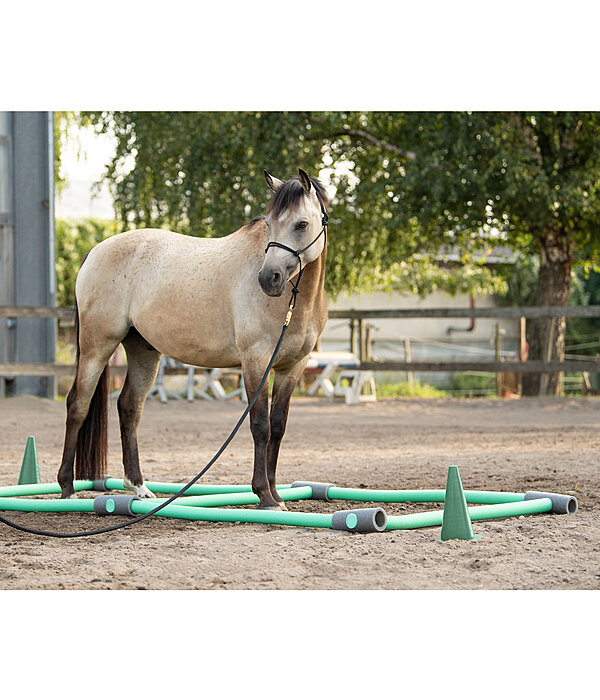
(419, 328)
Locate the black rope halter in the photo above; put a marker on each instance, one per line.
(298, 253)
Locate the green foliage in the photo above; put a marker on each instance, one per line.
(405, 390)
(74, 239)
(201, 172)
(423, 274)
(470, 178)
(61, 120)
(585, 290)
(520, 278)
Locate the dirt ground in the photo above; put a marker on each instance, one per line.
(529, 444)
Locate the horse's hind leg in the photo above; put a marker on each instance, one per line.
(142, 365)
(283, 388)
(91, 364)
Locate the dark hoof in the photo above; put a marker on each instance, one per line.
(277, 507)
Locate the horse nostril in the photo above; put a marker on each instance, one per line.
(275, 279)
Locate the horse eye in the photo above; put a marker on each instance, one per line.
(302, 224)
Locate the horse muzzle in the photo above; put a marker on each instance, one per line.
(272, 281)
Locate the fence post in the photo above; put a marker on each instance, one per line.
(368, 341)
(410, 377)
(498, 356)
(544, 377)
(360, 340)
(522, 342)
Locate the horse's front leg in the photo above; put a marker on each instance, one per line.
(259, 426)
(283, 388)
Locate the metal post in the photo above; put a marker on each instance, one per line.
(6, 244)
(34, 283)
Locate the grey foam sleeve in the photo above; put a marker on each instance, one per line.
(100, 484)
(320, 490)
(114, 505)
(561, 503)
(360, 520)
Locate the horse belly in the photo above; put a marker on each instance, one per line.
(189, 336)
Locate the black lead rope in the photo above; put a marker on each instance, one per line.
(291, 306)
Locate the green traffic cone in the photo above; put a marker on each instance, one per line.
(456, 522)
(30, 469)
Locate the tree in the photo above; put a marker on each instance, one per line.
(408, 185)
(528, 181)
(74, 240)
(200, 172)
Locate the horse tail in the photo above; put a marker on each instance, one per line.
(92, 438)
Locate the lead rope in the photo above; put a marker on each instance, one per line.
(291, 307)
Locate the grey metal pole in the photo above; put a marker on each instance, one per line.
(34, 254)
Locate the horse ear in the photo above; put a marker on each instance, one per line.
(304, 180)
(273, 182)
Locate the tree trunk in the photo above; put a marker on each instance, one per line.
(554, 281)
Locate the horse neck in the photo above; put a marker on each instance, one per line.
(313, 279)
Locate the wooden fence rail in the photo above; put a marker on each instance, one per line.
(63, 313)
(35, 369)
(67, 313)
(495, 312)
(26, 369)
(529, 367)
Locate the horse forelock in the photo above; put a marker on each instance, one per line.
(291, 193)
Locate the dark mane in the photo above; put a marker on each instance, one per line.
(291, 192)
(253, 221)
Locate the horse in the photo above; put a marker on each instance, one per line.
(209, 302)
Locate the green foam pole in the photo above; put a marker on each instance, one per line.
(419, 496)
(86, 505)
(194, 489)
(50, 505)
(42, 489)
(267, 517)
(238, 499)
(30, 469)
(431, 518)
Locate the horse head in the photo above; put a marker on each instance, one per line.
(297, 229)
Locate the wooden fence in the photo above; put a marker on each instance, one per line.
(356, 317)
(66, 316)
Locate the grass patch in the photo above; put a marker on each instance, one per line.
(474, 384)
(388, 390)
